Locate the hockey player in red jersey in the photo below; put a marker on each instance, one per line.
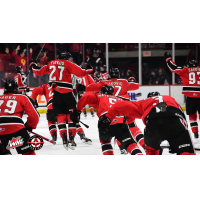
(86, 80)
(121, 88)
(20, 78)
(104, 74)
(118, 129)
(164, 120)
(47, 91)
(12, 107)
(60, 71)
(191, 81)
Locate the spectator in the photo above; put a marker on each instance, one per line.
(41, 62)
(87, 54)
(95, 60)
(21, 59)
(99, 49)
(129, 74)
(76, 50)
(3, 57)
(153, 78)
(161, 78)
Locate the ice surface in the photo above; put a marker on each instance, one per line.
(82, 148)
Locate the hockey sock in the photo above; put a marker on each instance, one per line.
(29, 153)
(62, 118)
(71, 126)
(52, 127)
(107, 148)
(151, 151)
(137, 134)
(193, 122)
(79, 128)
(133, 149)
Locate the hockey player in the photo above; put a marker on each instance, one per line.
(47, 91)
(118, 129)
(86, 80)
(12, 107)
(104, 74)
(190, 77)
(164, 120)
(121, 88)
(60, 71)
(20, 78)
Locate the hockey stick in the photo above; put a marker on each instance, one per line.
(36, 58)
(84, 124)
(51, 141)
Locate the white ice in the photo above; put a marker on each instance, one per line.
(82, 148)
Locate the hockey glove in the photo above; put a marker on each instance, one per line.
(80, 88)
(89, 67)
(75, 116)
(104, 123)
(167, 56)
(28, 128)
(27, 89)
(32, 65)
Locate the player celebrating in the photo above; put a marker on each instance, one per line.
(60, 71)
(20, 78)
(86, 80)
(164, 120)
(47, 91)
(12, 107)
(104, 74)
(190, 78)
(121, 88)
(102, 101)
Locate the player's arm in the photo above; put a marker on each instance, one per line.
(124, 108)
(132, 84)
(94, 87)
(30, 110)
(77, 70)
(39, 71)
(173, 67)
(37, 91)
(88, 98)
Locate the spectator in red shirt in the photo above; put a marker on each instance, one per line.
(21, 59)
(3, 57)
(76, 50)
(41, 62)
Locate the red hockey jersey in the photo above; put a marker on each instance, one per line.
(85, 80)
(190, 78)
(139, 109)
(12, 107)
(21, 81)
(101, 102)
(60, 73)
(104, 76)
(121, 86)
(45, 90)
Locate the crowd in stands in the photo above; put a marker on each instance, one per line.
(13, 55)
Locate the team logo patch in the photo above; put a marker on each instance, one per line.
(15, 142)
(114, 120)
(35, 142)
(2, 129)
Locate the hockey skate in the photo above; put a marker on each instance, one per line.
(65, 142)
(71, 143)
(92, 113)
(54, 136)
(123, 150)
(196, 135)
(85, 113)
(84, 139)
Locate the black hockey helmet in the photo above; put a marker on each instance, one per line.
(114, 73)
(10, 85)
(65, 56)
(107, 89)
(192, 63)
(19, 69)
(152, 94)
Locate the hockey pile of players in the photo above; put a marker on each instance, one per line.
(72, 87)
